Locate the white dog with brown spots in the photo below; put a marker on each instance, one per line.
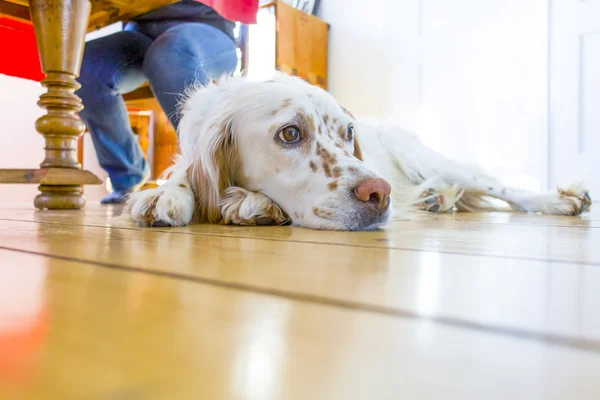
(284, 151)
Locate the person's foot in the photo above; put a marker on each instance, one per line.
(115, 197)
(120, 196)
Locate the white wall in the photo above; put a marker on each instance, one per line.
(470, 76)
(22, 146)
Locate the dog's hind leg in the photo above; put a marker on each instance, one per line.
(426, 169)
(478, 186)
(438, 200)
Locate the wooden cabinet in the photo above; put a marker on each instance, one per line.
(289, 40)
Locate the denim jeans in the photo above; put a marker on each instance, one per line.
(170, 55)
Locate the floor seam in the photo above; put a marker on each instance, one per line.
(407, 249)
(545, 338)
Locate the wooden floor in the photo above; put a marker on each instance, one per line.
(467, 306)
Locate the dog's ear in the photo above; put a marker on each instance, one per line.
(207, 143)
(213, 169)
(357, 152)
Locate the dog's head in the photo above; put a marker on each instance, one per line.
(286, 139)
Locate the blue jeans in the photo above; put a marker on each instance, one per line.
(170, 56)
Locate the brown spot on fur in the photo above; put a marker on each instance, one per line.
(337, 172)
(328, 160)
(352, 170)
(345, 110)
(313, 166)
(326, 155)
(342, 132)
(335, 120)
(332, 185)
(307, 126)
(309, 121)
(339, 145)
(148, 216)
(272, 128)
(321, 213)
(171, 214)
(327, 169)
(286, 103)
(325, 118)
(181, 185)
(320, 129)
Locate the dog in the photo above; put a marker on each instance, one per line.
(282, 151)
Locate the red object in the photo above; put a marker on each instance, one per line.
(20, 349)
(18, 50)
(243, 11)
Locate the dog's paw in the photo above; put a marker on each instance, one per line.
(242, 207)
(431, 201)
(436, 201)
(572, 201)
(162, 206)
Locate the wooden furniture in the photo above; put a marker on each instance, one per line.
(162, 138)
(60, 27)
(290, 41)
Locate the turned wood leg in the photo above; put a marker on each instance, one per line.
(60, 27)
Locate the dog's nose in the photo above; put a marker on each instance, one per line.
(375, 191)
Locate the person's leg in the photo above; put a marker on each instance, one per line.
(113, 65)
(183, 55)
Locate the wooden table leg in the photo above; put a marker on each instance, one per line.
(60, 27)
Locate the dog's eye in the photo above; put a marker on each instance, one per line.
(290, 135)
(350, 132)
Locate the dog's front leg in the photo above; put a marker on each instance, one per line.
(242, 207)
(171, 204)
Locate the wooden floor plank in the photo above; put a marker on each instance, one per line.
(99, 333)
(451, 234)
(553, 302)
(25, 211)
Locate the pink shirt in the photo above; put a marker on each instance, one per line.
(243, 11)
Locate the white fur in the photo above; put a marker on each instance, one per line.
(228, 137)
(170, 204)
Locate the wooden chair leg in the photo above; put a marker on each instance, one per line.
(60, 27)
